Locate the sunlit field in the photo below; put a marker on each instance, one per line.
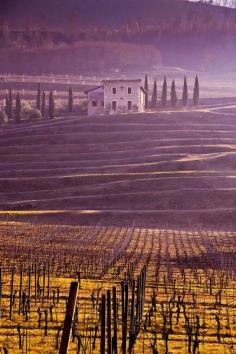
(185, 302)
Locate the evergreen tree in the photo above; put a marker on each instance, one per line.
(164, 93)
(43, 105)
(38, 99)
(173, 95)
(146, 89)
(51, 106)
(70, 100)
(7, 106)
(154, 95)
(185, 93)
(10, 104)
(18, 109)
(196, 92)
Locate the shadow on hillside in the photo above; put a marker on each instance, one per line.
(211, 260)
(189, 220)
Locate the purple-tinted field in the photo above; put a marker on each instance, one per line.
(161, 169)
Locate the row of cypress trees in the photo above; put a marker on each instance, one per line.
(9, 107)
(51, 101)
(173, 94)
(40, 104)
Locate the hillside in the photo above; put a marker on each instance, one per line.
(173, 169)
(192, 35)
(103, 13)
(87, 57)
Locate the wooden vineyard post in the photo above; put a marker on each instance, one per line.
(29, 286)
(48, 280)
(70, 310)
(35, 283)
(125, 293)
(132, 308)
(126, 315)
(44, 280)
(0, 292)
(114, 307)
(132, 320)
(109, 343)
(103, 326)
(11, 294)
(20, 291)
(137, 306)
(144, 274)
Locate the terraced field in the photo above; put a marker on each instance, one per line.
(139, 189)
(172, 169)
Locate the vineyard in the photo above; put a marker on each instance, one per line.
(140, 290)
(108, 207)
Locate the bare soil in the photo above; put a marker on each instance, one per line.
(174, 169)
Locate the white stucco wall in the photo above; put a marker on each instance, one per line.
(122, 96)
(95, 111)
(142, 101)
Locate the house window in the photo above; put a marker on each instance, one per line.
(129, 105)
(113, 105)
(129, 90)
(94, 103)
(114, 90)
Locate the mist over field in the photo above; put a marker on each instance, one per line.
(126, 34)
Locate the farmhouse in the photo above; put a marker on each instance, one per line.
(116, 96)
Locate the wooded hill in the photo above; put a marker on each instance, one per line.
(179, 33)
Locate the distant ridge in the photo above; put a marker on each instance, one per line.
(101, 12)
(192, 35)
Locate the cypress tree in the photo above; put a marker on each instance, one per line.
(146, 89)
(7, 106)
(173, 95)
(185, 93)
(196, 92)
(164, 93)
(10, 104)
(38, 99)
(43, 105)
(18, 109)
(70, 100)
(154, 95)
(51, 106)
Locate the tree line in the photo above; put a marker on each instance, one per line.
(46, 107)
(14, 111)
(153, 103)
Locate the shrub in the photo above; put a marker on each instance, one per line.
(3, 117)
(29, 113)
(59, 106)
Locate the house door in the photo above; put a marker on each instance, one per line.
(129, 105)
(113, 105)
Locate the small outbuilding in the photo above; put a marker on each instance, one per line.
(95, 101)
